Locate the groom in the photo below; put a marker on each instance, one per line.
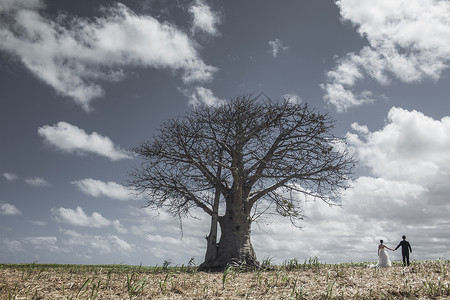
(406, 248)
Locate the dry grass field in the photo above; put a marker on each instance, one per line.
(292, 280)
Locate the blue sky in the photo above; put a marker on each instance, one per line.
(84, 82)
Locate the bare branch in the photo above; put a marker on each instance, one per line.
(247, 150)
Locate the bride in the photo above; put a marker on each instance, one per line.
(383, 257)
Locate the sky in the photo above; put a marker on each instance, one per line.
(83, 82)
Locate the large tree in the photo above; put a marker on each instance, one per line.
(227, 159)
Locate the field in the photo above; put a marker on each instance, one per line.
(292, 280)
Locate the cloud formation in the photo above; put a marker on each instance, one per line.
(37, 182)
(89, 245)
(201, 95)
(97, 188)
(411, 147)
(408, 41)
(7, 209)
(81, 246)
(74, 55)
(164, 236)
(47, 243)
(10, 176)
(71, 139)
(78, 217)
(204, 19)
(11, 246)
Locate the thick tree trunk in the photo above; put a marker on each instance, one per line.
(235, 247)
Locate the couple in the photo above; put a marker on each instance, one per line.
(383, 257)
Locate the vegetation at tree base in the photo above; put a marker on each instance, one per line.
(234, 161)
(294, 279)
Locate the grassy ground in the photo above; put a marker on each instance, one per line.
(293, 280)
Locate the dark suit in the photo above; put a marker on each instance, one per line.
(406, 248)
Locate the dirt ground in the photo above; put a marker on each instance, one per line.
(422, 280)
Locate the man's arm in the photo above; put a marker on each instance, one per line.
(409, 246)
(398, 246)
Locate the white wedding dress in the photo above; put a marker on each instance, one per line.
(383, 260)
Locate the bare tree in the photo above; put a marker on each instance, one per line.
(237, 155)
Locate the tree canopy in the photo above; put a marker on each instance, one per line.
(236, 155)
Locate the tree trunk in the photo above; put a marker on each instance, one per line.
(235, 247)
(211, 239)
(211, 244)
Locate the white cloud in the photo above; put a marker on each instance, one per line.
(71, 139)
(48, 243)
(12, 246)
(119, 227)
(87, 245)
(37, 182)
(411, 147)
(408, 41)
(98, 188)
(10, 176)
(81, 247)
(360, 128)
(78, 217)
(202, 95)
(75, 60)
(337, 95)
(277, 47)
(164, 236)
(204, 18)
(14, 5)
(7, 209)
(388, 199)
(121, 244)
